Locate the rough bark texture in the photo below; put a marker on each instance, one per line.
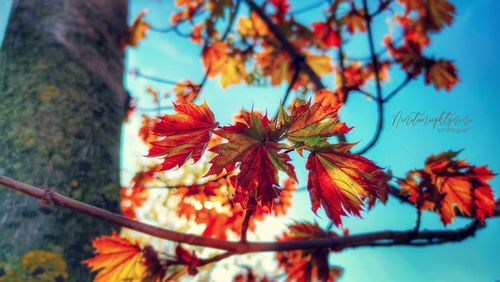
(61, 108)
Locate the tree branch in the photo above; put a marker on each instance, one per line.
(287, 45)
(378, 87)
(397, 89)
(176, 25)
(381, 7)
(244, 226)
(296, 57)
(382, 238)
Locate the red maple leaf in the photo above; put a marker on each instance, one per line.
(340, 181)
(252, 143)
(324, 31)
(183, 135)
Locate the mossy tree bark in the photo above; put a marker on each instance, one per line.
(61, 107)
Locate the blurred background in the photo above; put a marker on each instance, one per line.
(472, 42)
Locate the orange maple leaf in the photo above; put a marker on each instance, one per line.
(441, 73)
(230, 64)
(132, 198)
(186, 91)
(279, 68)
(183, 135)
(329, 99)
(252, 27)
(447, 184)
(136, 32)
(117, 259)
(355, 20)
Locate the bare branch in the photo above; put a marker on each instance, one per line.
(176, 25)
(382, 238)
(378, 87)
(398, 89)
(381, 7)
(138, 73)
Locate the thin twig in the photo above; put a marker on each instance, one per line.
(156, 109)
(398, 89)
(176, 25)
(378, 87)
(244, 226)
(289, 88)
(138, 73)
(382, 7)
(418, 220)
(286, 45)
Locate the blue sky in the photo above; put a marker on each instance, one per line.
(472, 42)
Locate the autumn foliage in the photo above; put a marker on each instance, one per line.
(242, 173)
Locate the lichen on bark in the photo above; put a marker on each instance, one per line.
(61, 108)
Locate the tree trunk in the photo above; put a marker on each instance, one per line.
(61, 107)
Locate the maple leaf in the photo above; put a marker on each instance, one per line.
(307, 265)
(132, 198)
(328, 37)
(411, 5)
(437, 14)
(354, 76)
(414, 31)
(409, 56)
(441, 73)
(321, 64)
(234, 70)
(196, 34)
(189, 9)
(447, 184)
(214, 56)
(117, 259)
(340, 181)
(330, 99)
(252, 27)
(252, 144)
(183, 135)
(216, 210)
(186, 91)
(187, 258)
(355, 20)
(310, 126)
(136, 32)
(282, 7)
(231, 66)
(278, 69)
